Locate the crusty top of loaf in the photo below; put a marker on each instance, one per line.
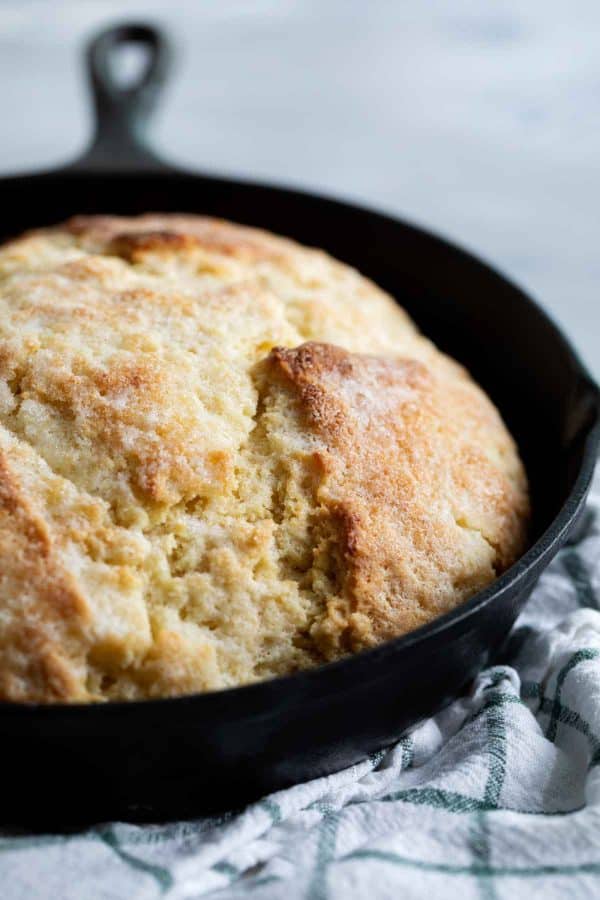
(224, 457)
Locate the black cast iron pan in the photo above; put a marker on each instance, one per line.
(205, 752)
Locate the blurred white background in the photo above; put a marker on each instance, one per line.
(478, 120)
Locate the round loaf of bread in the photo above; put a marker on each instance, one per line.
(225, 457)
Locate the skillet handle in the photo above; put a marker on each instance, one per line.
(123, 113)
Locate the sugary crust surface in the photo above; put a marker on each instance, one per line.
(225, 457)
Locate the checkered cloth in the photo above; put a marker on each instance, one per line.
(498, 796)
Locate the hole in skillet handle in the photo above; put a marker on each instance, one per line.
(123, 110)
(129, 64)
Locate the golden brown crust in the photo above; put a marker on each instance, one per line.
(42, 610)
(403, 492)
(225, 457)
(135, 238)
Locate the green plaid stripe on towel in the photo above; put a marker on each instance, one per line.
(498, 796)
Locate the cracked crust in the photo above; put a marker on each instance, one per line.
(225, 457)
(409, 497)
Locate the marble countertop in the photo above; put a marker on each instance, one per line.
(480, 121)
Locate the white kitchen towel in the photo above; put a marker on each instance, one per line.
(498, 796)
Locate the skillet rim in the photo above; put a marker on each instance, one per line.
(259, 696)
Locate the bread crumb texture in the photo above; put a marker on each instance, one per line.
(225, 457)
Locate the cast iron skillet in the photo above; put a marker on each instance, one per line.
(205, 752)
